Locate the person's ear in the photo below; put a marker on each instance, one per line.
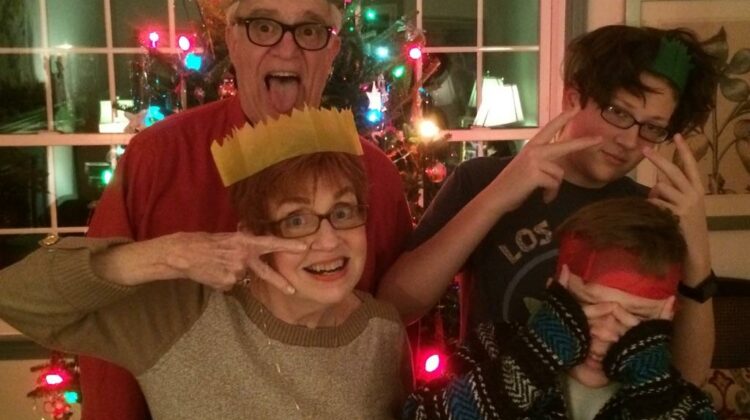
(571, 98)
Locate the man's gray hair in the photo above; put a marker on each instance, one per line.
(338, 5)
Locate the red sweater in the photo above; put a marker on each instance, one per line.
(166, 182)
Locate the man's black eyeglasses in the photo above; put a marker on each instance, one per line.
(265, 32)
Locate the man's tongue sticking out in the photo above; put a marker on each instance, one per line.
(283, 93)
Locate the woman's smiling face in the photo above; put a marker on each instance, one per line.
(333, 264)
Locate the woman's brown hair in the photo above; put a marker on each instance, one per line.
(252, 197)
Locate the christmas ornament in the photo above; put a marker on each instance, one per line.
(436, 173)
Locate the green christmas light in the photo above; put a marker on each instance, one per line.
(371, 15)
(106, 176)
(399, 71)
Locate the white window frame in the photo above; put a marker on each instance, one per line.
(550, 48)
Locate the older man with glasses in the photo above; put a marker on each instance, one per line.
(283, 53)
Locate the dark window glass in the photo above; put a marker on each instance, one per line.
(132, 23)
(22, 107)
(79, 83)
(23, 187)
(78, 24)
(15, 247)
(511, 22)
(81, 173)
(130, 76)
(450, 90)
(450, 22)
(19, 24)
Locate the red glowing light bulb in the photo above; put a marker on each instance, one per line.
(184, 43)
(53, 379)
(153, 38)
(432, 363)
(415, 52)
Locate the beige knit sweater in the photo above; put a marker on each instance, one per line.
(202, 354)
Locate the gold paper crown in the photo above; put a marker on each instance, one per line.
(249, 150)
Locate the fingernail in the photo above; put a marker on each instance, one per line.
(290, 290)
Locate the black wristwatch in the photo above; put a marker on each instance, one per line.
(702, 292)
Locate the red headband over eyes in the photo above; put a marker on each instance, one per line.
(617, 268)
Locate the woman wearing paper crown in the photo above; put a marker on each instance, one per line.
(251, 351)
(597, 346)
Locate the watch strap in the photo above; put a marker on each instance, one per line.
(704, 291)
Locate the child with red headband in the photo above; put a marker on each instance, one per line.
(578, 357)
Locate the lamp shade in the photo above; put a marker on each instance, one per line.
(501, 103)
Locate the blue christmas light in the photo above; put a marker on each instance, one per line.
(71, 397)
(193, 62)
(153, 115)
(374, 116)
(382, 53)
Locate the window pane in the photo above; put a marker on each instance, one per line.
(81, 25)
(22, 108)
(79, 82)
(128, 76)
(23, 187)
(450, 22)
(520, 69)
(81, 173)
(187, 16)
(511, 22)
(14, 247)
(130, 22)
(450, 90)
(19, 24)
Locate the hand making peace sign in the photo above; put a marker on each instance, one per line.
(536, 165)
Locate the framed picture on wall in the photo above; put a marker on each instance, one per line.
(722, 147)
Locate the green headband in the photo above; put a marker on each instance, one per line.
(673, 62)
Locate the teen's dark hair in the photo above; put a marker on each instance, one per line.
(630, 223)
(613, 57)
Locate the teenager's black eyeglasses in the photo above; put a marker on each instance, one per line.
(622, 119)
(265, 32)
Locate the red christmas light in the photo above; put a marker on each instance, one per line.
(432, 364)
(153, 39)
(415, 52)
(184, 42)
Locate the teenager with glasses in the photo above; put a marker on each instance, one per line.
(209, 348)
(626, 89)
(282, 53)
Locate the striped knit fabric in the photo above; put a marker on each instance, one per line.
(508, 371)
